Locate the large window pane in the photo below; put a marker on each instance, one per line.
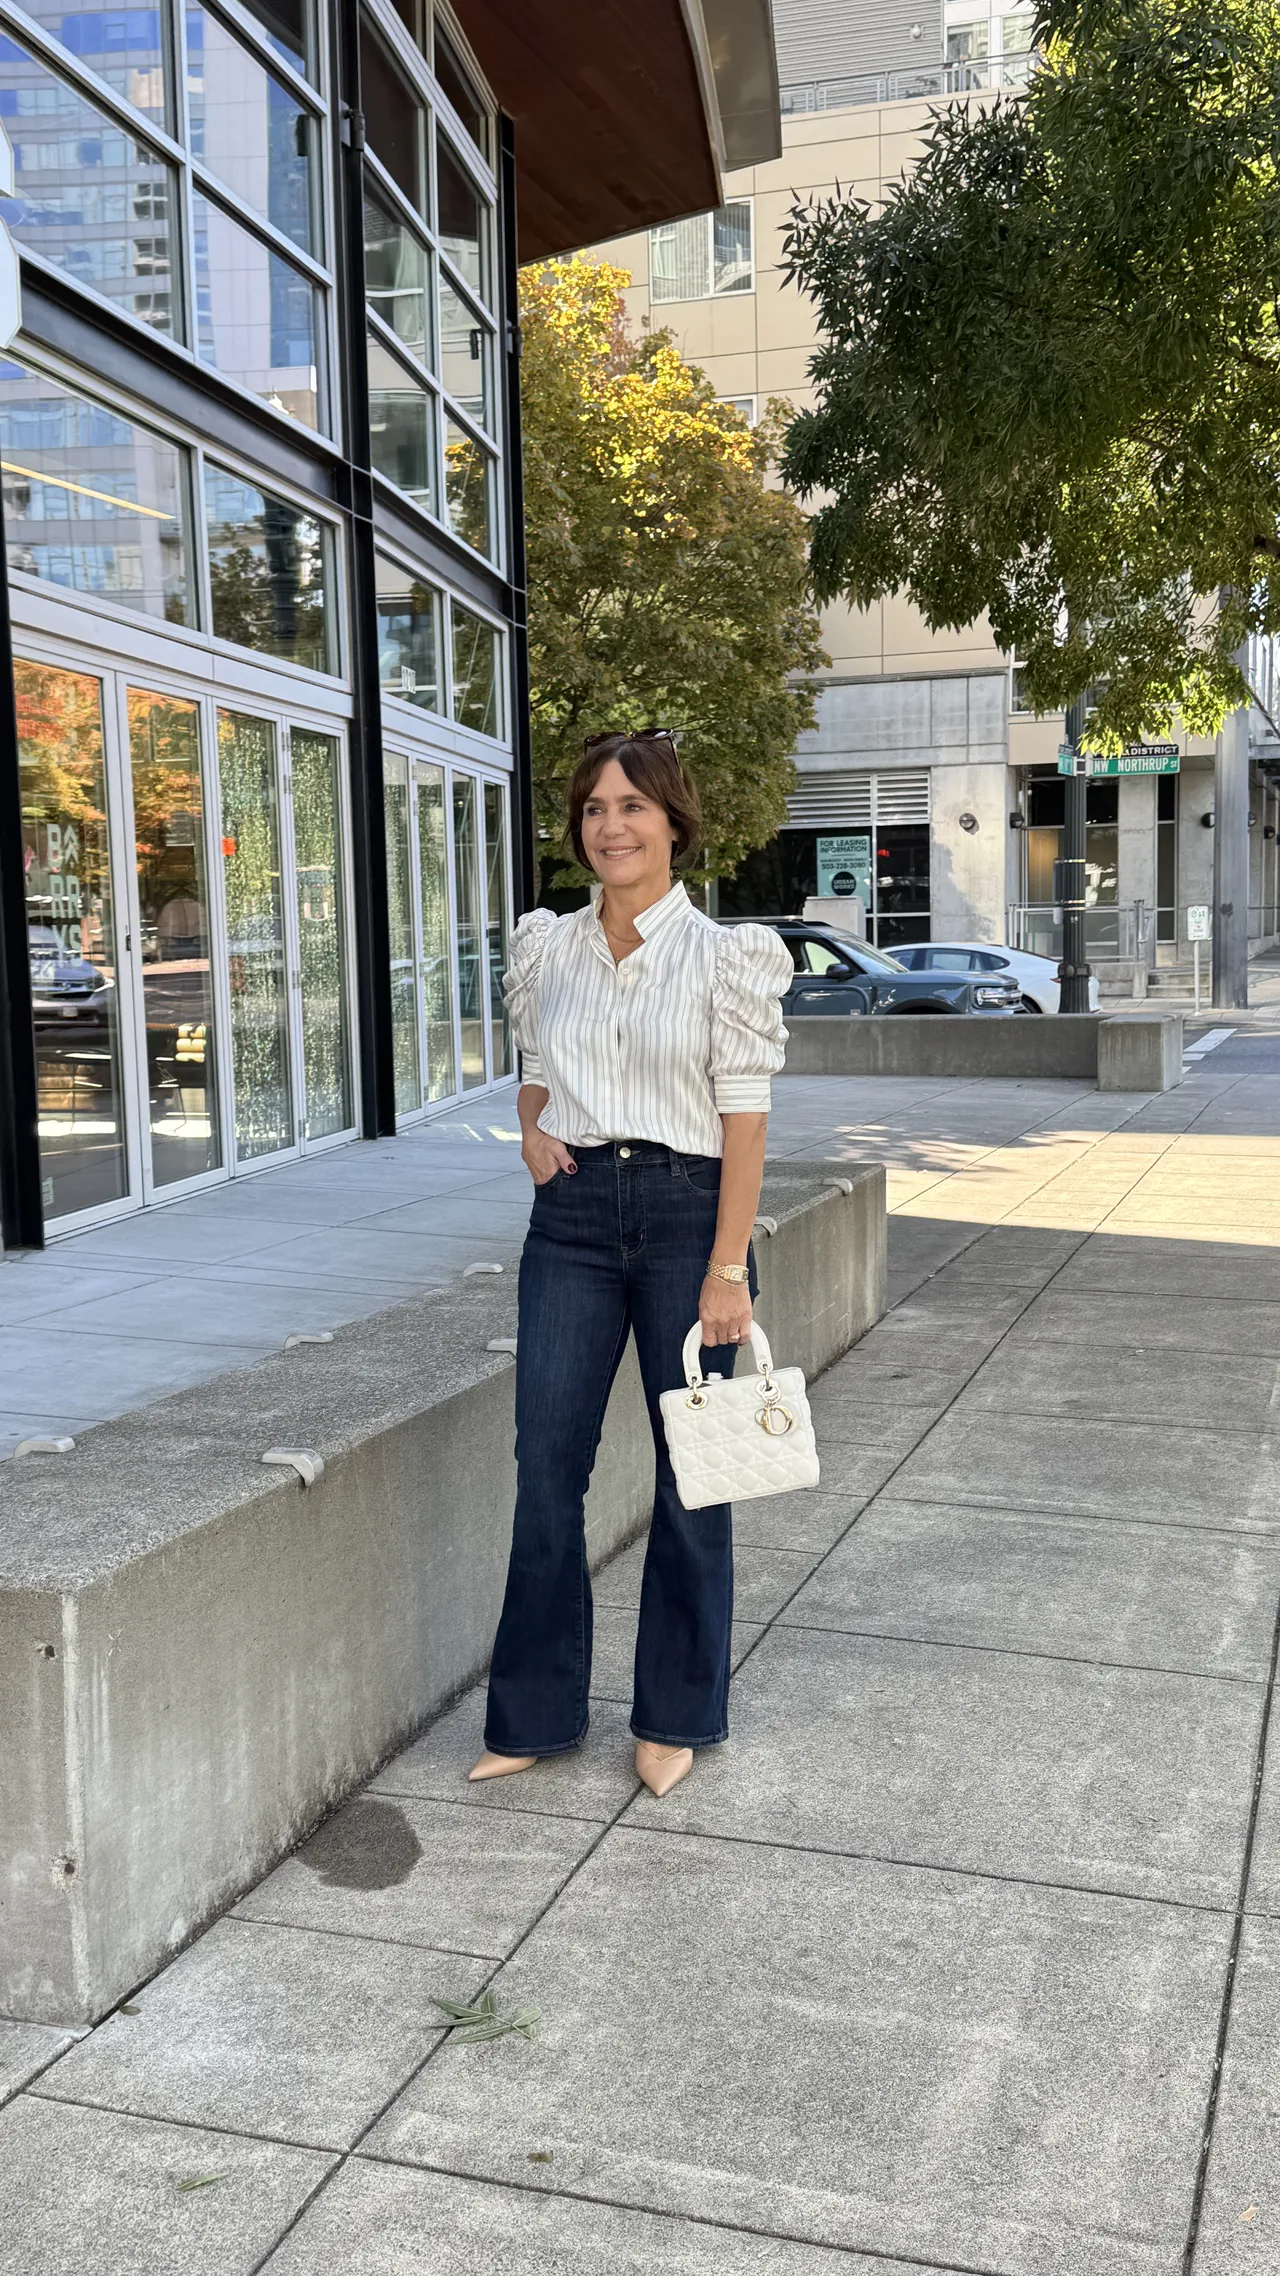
(255, 314)
(731, 269)
(125, 46)
(287, 27)
(498, 914)
(475, 673)
(268, 572)
(465, 356)
(71, 934)
(322, 962)
(92, 502)
(680, 260)
(248, 129)
(397, 270)
(255, 935)
(437, 947)
(462, 217)
(408, 636)
(393, 119)
(466, 487)
(404, 999)
(471, 974)
(458, 86)
(402, 423)
(87, 196)
(173, 897)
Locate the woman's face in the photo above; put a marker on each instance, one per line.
(628, 838)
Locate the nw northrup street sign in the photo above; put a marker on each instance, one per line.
(1140, 758)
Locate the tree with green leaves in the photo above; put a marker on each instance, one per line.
(1049, 380)
(668, 582)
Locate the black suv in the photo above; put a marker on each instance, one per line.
(836, 974)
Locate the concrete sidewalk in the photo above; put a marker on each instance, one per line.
(932, 1966)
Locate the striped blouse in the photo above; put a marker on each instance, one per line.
(685, 1029)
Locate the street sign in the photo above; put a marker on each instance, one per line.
(844, 868)
(1199, 926)
(1140, 758)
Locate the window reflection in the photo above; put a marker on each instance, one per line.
(286, 25)
(457, 84)
(466, 877)
(268, 572)
(255, 935)
(87, 196)
(466, 486)
(401, 420)
(92, 502)
(475, 672)
(393, 120)
(397, 272)
(437, 950)
(461, 217)
(124, 46)
(464, 355)
(71, 936)
(173, 907)
(408, 615)
(255, 314)
(248, 129)
(495, 847)
(404, 1001)
(322, 972)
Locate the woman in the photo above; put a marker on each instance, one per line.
(648, 1036)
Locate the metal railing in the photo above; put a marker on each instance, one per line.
(975, 74)
(1111, 934)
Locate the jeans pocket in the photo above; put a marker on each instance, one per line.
(701, 1172)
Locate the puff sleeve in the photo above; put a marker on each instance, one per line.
(520, 986)
(748, 1040)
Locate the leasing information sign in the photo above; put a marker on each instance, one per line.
(844, 868)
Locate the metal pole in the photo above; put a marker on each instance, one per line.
(1231, 859)
(1195, 953)
(1074, 970)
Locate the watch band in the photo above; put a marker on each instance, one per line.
(739, 1274)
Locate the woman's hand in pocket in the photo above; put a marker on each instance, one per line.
(724, 1311)
(543, 1156)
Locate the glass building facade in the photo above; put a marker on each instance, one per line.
(256, 437)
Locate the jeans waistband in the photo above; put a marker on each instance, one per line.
(635, 1150)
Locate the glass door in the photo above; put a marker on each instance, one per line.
(174, 1005)
(68, 818)
(400, 900)
(498, 913)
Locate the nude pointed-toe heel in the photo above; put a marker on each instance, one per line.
(499, 1766)
(661, 1768)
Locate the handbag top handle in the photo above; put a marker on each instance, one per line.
(693, 1347)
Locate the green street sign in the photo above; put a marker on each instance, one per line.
(1140, 758)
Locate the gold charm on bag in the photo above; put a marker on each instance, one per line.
(774, 1419)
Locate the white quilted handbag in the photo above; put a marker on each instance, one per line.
(732, 1441)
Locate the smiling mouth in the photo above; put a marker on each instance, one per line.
(619, 853)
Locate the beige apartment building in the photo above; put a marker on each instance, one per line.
(923, 777)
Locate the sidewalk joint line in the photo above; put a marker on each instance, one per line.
(812, 1627)
(697, 2220)
(647, 1827)
(1233, 1963)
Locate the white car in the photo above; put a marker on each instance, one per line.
(1037, 976)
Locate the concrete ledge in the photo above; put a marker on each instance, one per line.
(198, 1658)
(1060, 1049)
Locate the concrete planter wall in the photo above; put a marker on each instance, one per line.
(198, 1658)
(1121, 1054)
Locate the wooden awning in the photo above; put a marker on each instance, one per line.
(626, 111)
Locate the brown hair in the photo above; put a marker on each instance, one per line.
(648, 759)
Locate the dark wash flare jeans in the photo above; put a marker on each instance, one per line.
(621, 1245)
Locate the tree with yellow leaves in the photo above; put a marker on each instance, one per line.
(668, 584)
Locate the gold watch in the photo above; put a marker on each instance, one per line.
(739, 1274)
